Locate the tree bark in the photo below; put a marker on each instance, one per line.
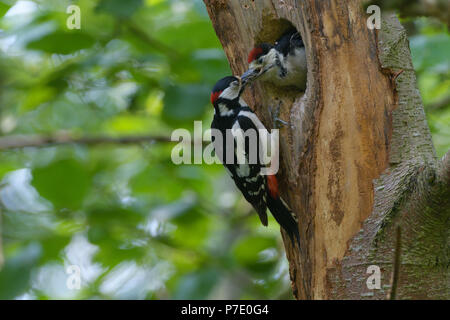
(358, 161)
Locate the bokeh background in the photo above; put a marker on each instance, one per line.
(136, 225)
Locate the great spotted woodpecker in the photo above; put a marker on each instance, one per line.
(283, 64)
(231, 113)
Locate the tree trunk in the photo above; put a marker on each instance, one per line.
(358, 161)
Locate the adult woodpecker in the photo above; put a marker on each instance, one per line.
(231, 114)
(283, 64)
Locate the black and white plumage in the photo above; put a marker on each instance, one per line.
(261, 191)
(283, 64)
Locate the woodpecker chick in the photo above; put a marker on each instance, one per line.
(283, 64)
(231, 114)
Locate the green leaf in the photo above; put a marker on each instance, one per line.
(3, 8)
(198, 285)
(62, 42)
(16, 273)
(431, 52)
(113, 216)
(185, 102)
(119, 8)
(52, 248)
(112, 228)
(27, 226)
(7, 166)
(193, 228)
(176, 33)
(247, 253)
(65, 183)
(36, 97)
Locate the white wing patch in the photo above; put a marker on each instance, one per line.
(224, 111)
(261, 188)
(258, 124)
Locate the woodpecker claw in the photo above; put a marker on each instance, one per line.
(277, 122)
(282, 122)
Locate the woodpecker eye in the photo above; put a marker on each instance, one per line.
(260, 60)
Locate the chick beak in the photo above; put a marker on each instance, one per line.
(249, 75)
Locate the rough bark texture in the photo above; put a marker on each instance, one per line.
(358, 160)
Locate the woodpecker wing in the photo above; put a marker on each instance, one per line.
(247, 172)
(261, 191)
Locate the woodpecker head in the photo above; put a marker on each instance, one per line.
(262, 62)
(226, 94)
(227, 89)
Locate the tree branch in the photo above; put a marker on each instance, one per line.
(144, 36)
(22, 141)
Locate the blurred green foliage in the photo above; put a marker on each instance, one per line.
(135, 224)
(430, 48)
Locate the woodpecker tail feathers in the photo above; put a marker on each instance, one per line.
(283, 215)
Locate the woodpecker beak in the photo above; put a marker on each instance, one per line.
(250, 75)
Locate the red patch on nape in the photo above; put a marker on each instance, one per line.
(215, 96)
(272, 183)
(254, 54)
